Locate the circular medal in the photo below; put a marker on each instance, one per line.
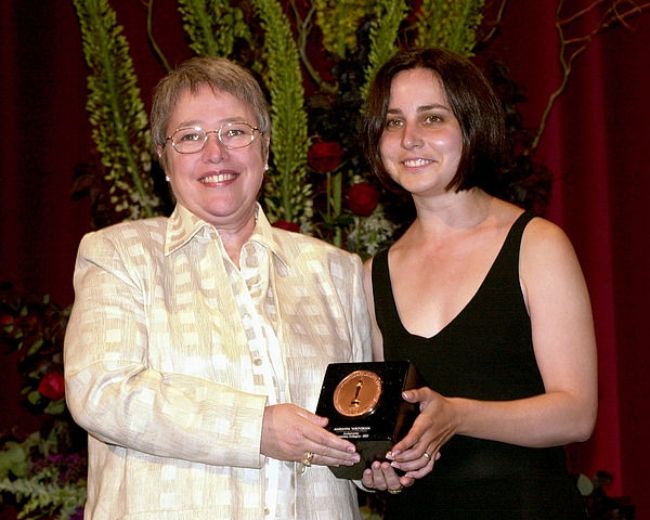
(357, 394)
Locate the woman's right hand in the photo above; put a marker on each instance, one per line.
(291, 433)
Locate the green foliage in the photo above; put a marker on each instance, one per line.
(44, 481)
(384, 29)
(449, 23)
(120, 125)
(213, 26)
(45, 472)
(287, 194)
(41, 496)
(338, 21)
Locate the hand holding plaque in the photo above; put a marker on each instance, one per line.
(363, 402)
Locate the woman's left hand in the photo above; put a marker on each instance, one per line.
(417, 452)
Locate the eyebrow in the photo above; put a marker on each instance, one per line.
(423, 108)
(195, 122)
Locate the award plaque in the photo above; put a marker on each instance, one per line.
(364, 404)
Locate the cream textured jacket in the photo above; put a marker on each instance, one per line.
(160, 371)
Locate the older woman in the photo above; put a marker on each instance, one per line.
(197, 343)
(486, 299)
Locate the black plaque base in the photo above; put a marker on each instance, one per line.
(364, 404)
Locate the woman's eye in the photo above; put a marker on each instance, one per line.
(432, 119)
(392, 124)
(191, 136)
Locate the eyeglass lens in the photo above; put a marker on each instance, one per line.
(231, 135)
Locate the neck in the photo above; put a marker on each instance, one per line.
(459, 210)
(234, 238)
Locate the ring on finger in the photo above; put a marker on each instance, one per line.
(306, 461)
(309, 456)
(427, 455)
(395, 491)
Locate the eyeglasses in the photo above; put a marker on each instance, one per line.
(231, 135)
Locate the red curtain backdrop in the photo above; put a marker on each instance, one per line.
(594, 142)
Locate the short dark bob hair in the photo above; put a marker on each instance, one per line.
(472, 100)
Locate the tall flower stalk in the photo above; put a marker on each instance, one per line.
(119, 122)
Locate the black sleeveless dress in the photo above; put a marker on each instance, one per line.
(485, 353)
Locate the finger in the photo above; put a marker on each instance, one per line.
(413, 460)
(416, 395)
(327, 460)
(410, 446)
(406, 481)
(368, 479)
(411, 396)
(312, 417)
(326, 456)
(329, 443)
(424, 470)
(384, 477)
(375, 477)
(412, 454)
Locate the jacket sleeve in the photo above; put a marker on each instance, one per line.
(115, 395)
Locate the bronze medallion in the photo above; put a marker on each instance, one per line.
(357, 394)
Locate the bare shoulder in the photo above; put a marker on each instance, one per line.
(542, 239)
(547, 256)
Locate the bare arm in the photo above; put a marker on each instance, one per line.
(377, 340)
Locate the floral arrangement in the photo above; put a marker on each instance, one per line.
(44, 473)
(315, 161)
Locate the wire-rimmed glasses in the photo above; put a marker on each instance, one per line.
(232, 135)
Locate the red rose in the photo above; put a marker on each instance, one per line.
(289, 226)
(363, 198)
(324, 156)
(6, 320)
(52, 386)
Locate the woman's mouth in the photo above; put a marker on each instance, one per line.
(218, 178)
(416, 163)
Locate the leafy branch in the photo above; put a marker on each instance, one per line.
(449, 23)
(117, 115)
(286, 193)
(384, 29)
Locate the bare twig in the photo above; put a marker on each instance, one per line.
(151, 38)
(494, 24)
(618, 12)
(304, 27)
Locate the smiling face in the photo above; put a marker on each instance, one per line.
(422, 142)
(217, 184)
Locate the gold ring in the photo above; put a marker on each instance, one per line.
(309, 456)
(427, 455)
(395, 491)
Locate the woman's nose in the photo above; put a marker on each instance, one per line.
(411, 137)
(214, 148)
